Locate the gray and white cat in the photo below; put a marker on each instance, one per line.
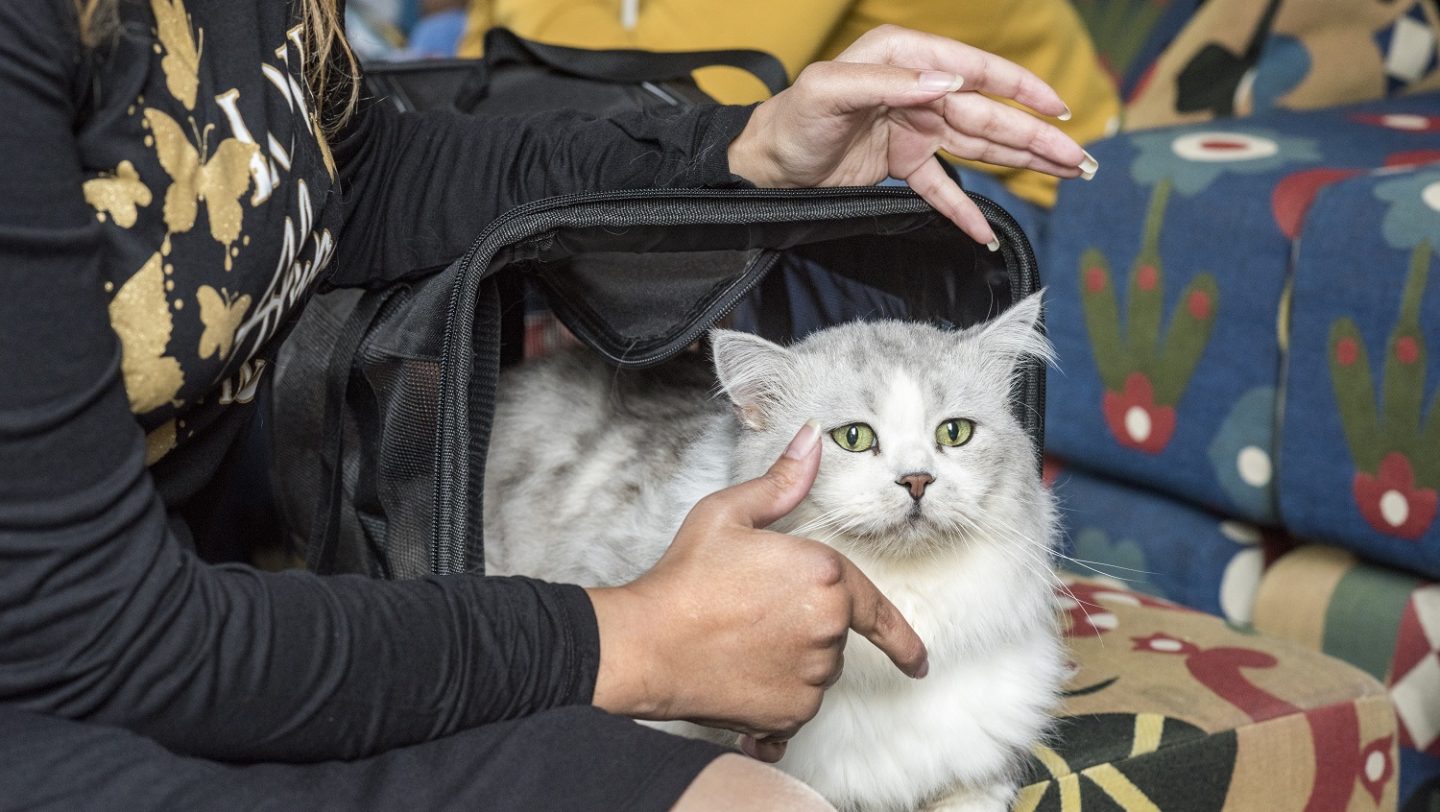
(592, 471)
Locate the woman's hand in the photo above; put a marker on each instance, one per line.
(891, 101)
(741, 628)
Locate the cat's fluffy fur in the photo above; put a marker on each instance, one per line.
(591, 472)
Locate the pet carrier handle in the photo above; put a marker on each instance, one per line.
(324, 541)
(630, 65)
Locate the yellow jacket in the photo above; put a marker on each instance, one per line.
(1045, 36)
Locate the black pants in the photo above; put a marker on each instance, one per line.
(570, 758)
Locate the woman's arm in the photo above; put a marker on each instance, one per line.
(104, 617)
(420, 187)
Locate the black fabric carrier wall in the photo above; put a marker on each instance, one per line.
(384, 399)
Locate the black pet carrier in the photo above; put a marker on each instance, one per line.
(383, 399)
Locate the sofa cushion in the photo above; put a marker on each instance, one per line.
(1172, 709)
(1360, 439)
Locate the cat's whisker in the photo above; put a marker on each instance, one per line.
(1087, 566)
(1059, 585)
(824, 521)
(1113, 566)
(1010, 551)
(1025, 551)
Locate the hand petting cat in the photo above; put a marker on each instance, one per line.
(739, 627)
(888, 103)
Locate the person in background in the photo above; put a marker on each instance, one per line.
(438, 31)
(1047, 37)
(405, 29)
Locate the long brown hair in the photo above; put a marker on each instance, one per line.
(331, 71)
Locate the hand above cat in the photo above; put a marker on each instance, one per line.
(888, 103)
(742, 628)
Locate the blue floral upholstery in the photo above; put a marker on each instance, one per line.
(1246, 319)
(1166, 276)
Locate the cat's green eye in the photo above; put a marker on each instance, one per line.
(854, 437)
(955, 431)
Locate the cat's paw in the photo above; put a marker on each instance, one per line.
(990, 798)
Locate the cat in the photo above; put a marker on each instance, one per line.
(591, 472)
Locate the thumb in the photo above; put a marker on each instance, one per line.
(779, 490)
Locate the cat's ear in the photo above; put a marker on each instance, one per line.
(1016, 334)
(751, 371)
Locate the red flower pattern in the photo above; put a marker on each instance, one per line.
(1347, 352)
(1096, 279)
(1135, 419)
(1390, 500)
(1295, 192)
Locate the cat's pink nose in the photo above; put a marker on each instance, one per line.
(916, 483)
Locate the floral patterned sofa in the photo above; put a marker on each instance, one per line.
(1246, 419)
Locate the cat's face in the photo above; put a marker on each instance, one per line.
(920, 448)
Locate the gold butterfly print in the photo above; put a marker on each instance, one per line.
(181, 62)
(219, 180)
(140, 316)
(221, 314)
(118, 195)
(160, 442)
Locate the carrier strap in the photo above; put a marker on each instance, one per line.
(325, 528)
(503, 46)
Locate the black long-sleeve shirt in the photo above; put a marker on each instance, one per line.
(164, 205)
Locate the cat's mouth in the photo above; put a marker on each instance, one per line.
(916, 523)
(914, 531)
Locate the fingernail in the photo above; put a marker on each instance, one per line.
(1089, 166)
(1065, 116)
(931, 81)
(993, 245)
(805, 441)
(923, 669)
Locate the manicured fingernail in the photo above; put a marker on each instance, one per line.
(993, 245)
(931, 81)
(1089, 166)
(1065, 116)
(805, 441)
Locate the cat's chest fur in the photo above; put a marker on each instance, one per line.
(884, 741)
